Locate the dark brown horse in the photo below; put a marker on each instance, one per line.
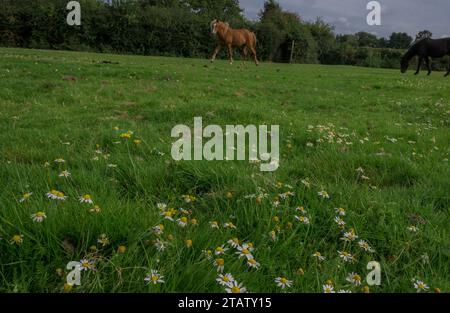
(233, 38)
(426, 49)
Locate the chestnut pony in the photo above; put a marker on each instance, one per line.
(233, 38)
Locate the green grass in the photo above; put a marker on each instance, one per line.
(333, 120)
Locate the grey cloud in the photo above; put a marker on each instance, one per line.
(349, 16)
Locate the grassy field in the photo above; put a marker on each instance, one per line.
(374, 141)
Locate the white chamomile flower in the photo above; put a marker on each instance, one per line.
(253, 263)
(234, 242)
(154, 277)
(349, 236)
(182, 221)
(365, 246)
(65, 174)
(86, 264)
(354, 278)
(283, 282)
(220, 250)
(420, 286)
(328, 289)
(225, 279)
(346, 256)
(413, 229)
(214, 224)
(26, 196)
(339, 221)
(235, 287)
(318, 256)
(245, 251)
(302, 219)
(340, 211)
(86, 199)
(38, 217)
(56, 195)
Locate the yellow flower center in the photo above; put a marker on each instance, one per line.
(245, 251)
(220, 262)
(154, 278)
(40, 214)
(283, 280)
(235, 289)
(183, 219)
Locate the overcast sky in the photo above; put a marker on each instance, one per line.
(349, 16)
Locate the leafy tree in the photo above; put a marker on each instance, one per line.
(399, 40)
(424, 34)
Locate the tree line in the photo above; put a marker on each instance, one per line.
(181, 28)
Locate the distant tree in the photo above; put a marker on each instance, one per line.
(399, 40)
(367, 40)
(424, 34)
(323, 34)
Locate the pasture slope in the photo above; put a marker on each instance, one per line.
(370, 141)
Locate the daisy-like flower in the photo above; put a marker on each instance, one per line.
(420, 286)
(301, 210)
(413, 229)
(188, 198)
(346, 256)
(60, 160)
(339, 221)
(318, 256)
(65, 174)
(302, 219)
(158, 229)
(16, 240)
(56, 195)
(208, 254)
(234, 242)
(219, 263)
(182, 221)
(86, 264)
(344, 291)
(161, 206)
(220, 250)
(154, 277)
(235, 287)
(340, 211)
(306, 183)
(253, 263)
(365, 246)
(38, 217)
(214, 224)
(229, 225)
(225, 280)
(126, 135)
(323, 194)
(86, 199)
(25, 197)
(160, 245)
(95, 209)
(273, 235)
(283, 282)
(103, 240)
(349, 236)
(245, 251)
(354, 278)
(168, 215)
(328, 288)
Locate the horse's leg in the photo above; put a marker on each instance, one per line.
(216, 51)
(419, 65)
(252, 48)
(230, 53)
(244, 55)
(428, 62)
(448, 71)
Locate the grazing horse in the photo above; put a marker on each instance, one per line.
(426, 49)
(233, 38)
